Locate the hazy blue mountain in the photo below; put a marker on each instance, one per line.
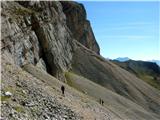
(122, 59)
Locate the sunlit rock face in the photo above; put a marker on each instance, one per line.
(45, 31)
(17, 38)
(39, 34)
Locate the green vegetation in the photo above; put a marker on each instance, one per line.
(68, 76)
(147, 71)
(5, 98)
(19, 109)
(23, 11)
(150, 80)
(9, 88)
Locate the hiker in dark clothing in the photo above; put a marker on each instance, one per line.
(62, 89)
(102, 102)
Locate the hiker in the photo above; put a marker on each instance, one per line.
(62, 89)
(102, 102)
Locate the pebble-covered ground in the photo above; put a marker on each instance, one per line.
(25, 97)
(27, 100)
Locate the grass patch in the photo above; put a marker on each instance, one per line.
(69, 77)
(5, 98)
(23, 11)
(9, 88)
(150, 80)
(19, 109)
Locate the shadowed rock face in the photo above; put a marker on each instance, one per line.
(54, 36)
(79, 25)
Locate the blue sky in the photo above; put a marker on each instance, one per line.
(126, 29)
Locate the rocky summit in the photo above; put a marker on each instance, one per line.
(49, 44)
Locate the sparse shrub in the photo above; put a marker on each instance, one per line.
(23, 11)
(19, 109)
(5, 98)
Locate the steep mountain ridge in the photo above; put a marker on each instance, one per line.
(147, 71)
(122, 59)
(47, 38)
(79, 25)
(109, 75)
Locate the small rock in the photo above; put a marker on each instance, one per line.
(23, 91)
(65, 116)
(4, 102)
(8, 93)
(18, 84)
(30, 104)
(2, 118)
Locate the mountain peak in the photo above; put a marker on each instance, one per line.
(122, 59)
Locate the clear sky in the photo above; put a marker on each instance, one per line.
(126, 29)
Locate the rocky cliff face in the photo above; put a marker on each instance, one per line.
(79, 25)
(43, 33)
(36, 32)
(18, 39)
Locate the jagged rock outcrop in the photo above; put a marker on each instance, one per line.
(18, 39)
(54, 36)
(45, 31)
(79, 25)
(40, 33)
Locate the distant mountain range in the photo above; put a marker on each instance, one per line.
(123, 59)
(148, 71)
(156, 61)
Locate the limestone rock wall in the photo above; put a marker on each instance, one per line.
(54, 36)
(44, 32)
(17, 37)
(40, 31)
